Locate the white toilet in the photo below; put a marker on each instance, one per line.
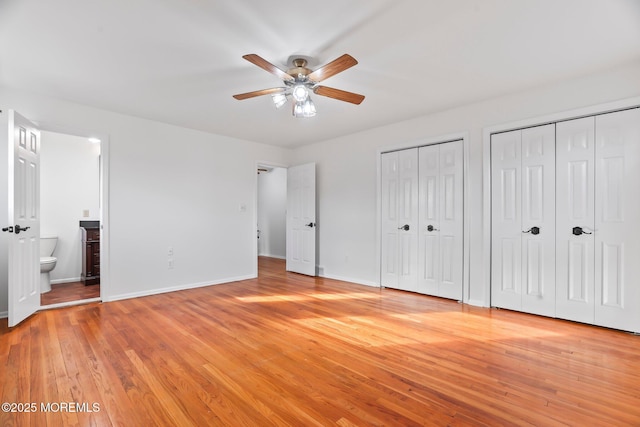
(47, 261)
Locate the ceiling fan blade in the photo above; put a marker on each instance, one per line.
(332, 68)
(261, 92)
(267, 66)
(341, 95)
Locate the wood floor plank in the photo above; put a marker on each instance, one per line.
(289, 350)
(67, 292)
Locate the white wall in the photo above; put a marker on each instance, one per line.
(69, 184)
(347, 177)
(272, 211)
(168, 186)
(171, 186)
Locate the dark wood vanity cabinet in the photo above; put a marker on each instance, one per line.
(90, 255)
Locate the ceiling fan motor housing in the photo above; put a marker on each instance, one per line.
(299, 71)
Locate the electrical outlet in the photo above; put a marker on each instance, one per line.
(170, 251)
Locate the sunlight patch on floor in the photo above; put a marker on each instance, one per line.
(496, 328)
(364, 331)
(350, 295)
(372, 332)
(274, 298)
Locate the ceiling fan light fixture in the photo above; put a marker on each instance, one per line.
(279, 99)
(299, 93)
(308, 108)
(297, 109)
(305, 108)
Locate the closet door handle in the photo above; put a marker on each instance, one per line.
(533, 230)
(578, 231)
(404, 227)
(430, 228)
(18, 229)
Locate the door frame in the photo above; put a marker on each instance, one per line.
(254, 222)
(105, 270)
(464, 136)
(603, 108)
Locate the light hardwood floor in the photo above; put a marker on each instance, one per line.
(287, 349)
(67, 292)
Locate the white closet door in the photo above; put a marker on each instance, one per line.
(523, 220)
(400, 219)
(450, 225)
(408, 220)
(538, 210)
(389, 201)
(506, 220)
(617, 211)
(429, 209)
(575, 219)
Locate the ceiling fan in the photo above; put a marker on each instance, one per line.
(299, 81)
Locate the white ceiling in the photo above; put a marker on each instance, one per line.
(180, 61)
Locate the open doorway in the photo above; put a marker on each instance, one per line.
(271, 212)
(70, 204)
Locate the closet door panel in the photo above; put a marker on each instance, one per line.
(441, 220)
(538, 210)
(408, 216)
(450, 225)
(506, 220)
(389, 201)
(617, 211)
(429, 248)
(575, 186)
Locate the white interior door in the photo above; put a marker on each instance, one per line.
(408, 220)
(301, 219)
(441, 220)
(575, 181)
(429, 223)
(617, 211)
(24, 218)
(523, 220)
(451, 220)
(389, 201)
(538, 210)
(506, 220)
(400, 220)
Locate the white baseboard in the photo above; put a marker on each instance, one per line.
(175, 288)
(273, 256)
(67, 280)
(4, 314)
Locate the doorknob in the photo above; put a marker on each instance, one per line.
(311, 224)
(533, 230)
(404, 227)
(578, 231)
(430, 228)
(9, 229)
(18, 229)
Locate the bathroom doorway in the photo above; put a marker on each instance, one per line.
(70, 197)
(271, 212)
